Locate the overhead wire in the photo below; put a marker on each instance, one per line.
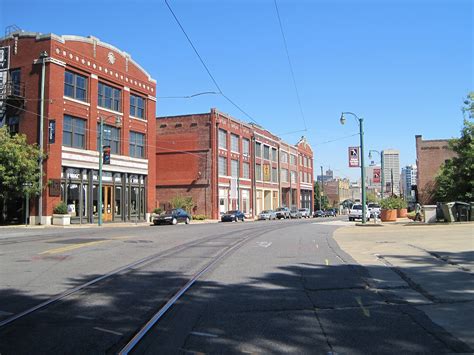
(206, 67)
(290, 65)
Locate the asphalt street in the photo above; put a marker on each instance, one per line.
(288, 288)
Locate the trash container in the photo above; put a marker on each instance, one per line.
(429, 213)
(462, 211)
(449, 211)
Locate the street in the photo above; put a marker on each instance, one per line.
(260, 287)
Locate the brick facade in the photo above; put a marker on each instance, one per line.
(225, 164)
(129, 182)
(430, 154)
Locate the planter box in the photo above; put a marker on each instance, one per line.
(61, 219)
(388, 215)
(402, 212)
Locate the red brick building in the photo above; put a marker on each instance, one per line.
(225, 164)
(85, 81)
(430, 155)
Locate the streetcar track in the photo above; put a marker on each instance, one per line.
(128, 267)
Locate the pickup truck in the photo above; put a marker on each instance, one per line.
(356, 213)
(282, 212)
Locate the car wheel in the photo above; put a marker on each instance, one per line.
(155, 223)
(187, 220)
(174, 221)
(243, 219)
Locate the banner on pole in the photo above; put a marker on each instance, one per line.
(354, 157)
(376, 177)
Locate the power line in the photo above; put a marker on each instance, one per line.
(205, 66)
(291, 66)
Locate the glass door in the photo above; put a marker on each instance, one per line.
(108, 198)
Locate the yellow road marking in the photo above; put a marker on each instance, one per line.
(73, 247)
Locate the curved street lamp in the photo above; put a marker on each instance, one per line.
(360, 121)
(382, 178)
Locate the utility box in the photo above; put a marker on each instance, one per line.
(429, 213)
(449, 211)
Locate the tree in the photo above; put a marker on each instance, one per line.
(316, 194)
(185, 203)
(371, 197)
(455, 180)
(19, 170)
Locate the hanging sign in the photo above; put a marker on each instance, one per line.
(51, 131)
(4, 58)
(354, 157)
(376, 177)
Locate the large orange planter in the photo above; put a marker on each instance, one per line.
(388, 215)
(402, 212)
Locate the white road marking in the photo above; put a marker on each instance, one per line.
(4, 313)
(264, 244)
(336, 223)
(107, 331)
(85, 317)
(200, 334)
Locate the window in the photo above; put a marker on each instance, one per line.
(137, 145)
(74, 132)
(284, 157)
(245, 146)
(111, 138)
(266, 152)
(234, 168)
(109, 97)
(284, 175)
(75, 86)
(246, 170)
(137, 106)
(293, 177)
(15, 77)
(222, 166)
(258, 149)
(293, 159)
(274, 175)
(301, 160)
(13, 123)
(222, 139)
(258, 172)
(274, 154)
(234, 143)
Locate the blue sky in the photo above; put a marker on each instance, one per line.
(405, 65)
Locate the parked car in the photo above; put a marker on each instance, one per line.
(233, 216)
(356, 212)
(282, 212)
(295, 213)
(173, 216)
(267, 215)
(330, 213)
(374, 209)
(318, 213)
(305, 213)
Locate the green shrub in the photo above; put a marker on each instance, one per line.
(185, 203)
(60, 208)
(199, 217)
(389, 203)
(157, 210)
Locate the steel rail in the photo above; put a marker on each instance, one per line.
(162, 311)
(140, 262)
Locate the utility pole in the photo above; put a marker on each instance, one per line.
(322, 189)
(43, 57)
(101, 157)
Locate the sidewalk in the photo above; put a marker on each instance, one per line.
(430, 267)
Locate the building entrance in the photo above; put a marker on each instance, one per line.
(107, 209)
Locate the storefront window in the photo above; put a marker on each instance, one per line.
(118, 201)
(142, 202)
(73, 199)
(134, 201)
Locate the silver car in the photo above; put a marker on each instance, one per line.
(267, 215)
(305, 212)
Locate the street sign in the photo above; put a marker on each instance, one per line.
(376, 177)
(4, 58)
(354, 157)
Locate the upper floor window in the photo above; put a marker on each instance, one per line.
(245, 146)
(111, 137)
(234, 143)
(246, 170)
(301, 160)
(234, 168)
(266, 152)
(284, 157)
(15, 77)
(258, 172)
(109, 97)
(222, 166)
(284, 175)
(293, 177)
(75, 86)
(274, 175)
(258, 149)
(137, 106)
(293, 159)
(274, 154)
(137, 145)
(74, 132)
(222, 139)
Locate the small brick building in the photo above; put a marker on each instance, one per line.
(225, 164)
(430, 155)
(85, 80)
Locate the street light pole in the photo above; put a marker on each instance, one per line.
(382, 180)
(362, 168)
(101, 153)
(43, 57)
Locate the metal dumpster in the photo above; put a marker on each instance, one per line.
(449, 211)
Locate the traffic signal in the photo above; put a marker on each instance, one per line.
(106, 155)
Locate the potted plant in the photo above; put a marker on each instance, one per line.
(60, 215)
(402, 208)
(388, 212)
